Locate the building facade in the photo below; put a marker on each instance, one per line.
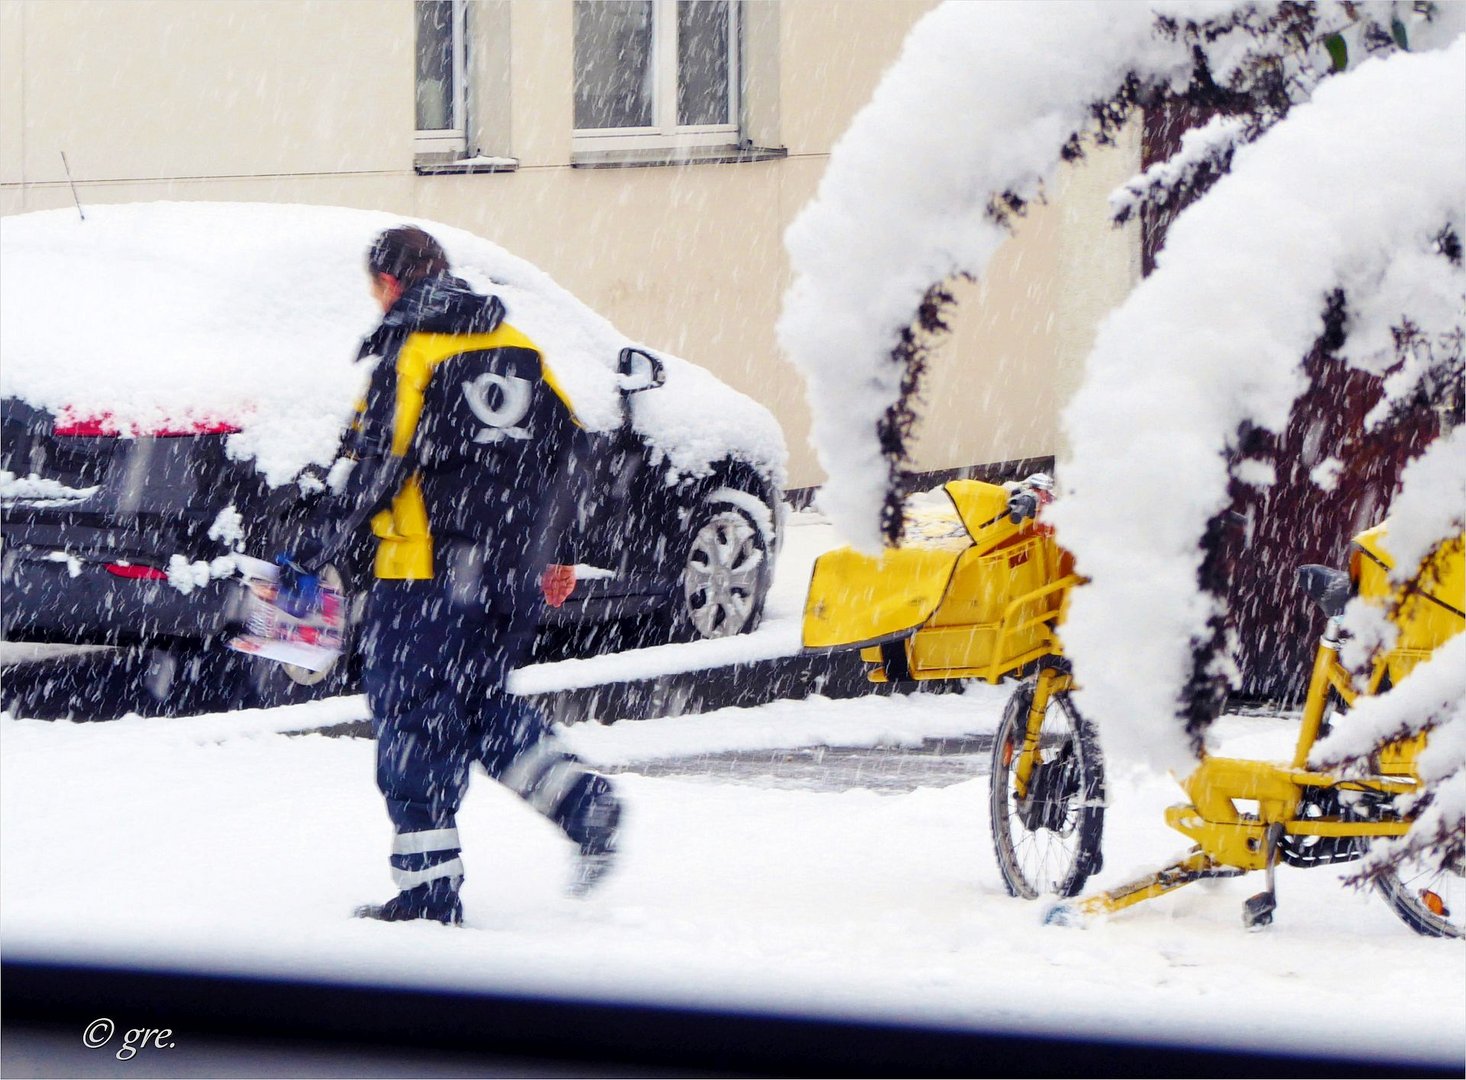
(648, 154)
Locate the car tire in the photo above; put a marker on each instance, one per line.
(269, 684)
(726, 569)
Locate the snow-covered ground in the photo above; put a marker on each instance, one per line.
(221, 843)
(218, 843)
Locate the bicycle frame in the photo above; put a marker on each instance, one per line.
(1241, 811)
(1050, 681)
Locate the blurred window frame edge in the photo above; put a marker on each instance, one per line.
(665, 134)
(450, 141)
(270, 1024)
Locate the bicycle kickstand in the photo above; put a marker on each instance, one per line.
(1195, 866)
(1257, 911)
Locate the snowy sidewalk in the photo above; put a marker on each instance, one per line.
(218, 843)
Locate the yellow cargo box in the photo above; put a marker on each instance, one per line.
(979, 605)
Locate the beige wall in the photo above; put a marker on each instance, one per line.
(290, 100)
(153, 89)
(1016, 352)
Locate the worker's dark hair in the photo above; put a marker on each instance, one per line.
(408, 254)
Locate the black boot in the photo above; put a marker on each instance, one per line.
(436, 900)
(600, 821)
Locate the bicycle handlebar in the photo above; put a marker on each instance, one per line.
(1022, 504)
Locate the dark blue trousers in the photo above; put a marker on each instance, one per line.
(436, 664)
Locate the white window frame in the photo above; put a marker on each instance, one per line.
(452, 139)
(665, 132)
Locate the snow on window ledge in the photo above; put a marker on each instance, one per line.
(631, 158)
(440, 164)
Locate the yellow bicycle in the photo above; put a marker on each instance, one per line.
(978, 595)
(1246, 815)
(984, 601)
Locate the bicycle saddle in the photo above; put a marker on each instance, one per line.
(1326, 587)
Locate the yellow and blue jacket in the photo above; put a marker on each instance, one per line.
(462, 445)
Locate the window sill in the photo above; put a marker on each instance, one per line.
(450, 165)
(687, 155)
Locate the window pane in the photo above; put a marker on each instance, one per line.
(435, 65)
(702, 62)
(613, 63)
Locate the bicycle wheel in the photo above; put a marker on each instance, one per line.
(1430, 899)
(1047, 842)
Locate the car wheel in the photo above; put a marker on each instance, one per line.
(270, 684)
(725, 574)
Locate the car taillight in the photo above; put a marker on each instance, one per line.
(130, 570)
(92, 426)
(195, 427)
(69, 424)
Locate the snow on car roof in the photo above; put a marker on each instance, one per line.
(156, 314)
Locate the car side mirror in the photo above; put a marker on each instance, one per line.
(639, 370)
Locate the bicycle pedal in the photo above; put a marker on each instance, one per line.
(1257, 911)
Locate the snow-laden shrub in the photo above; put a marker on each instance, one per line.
(1326, 216)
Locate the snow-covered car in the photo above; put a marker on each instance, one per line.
(176, 379)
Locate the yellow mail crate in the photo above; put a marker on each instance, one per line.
(981, 607)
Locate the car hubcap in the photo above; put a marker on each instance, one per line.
(721, 578)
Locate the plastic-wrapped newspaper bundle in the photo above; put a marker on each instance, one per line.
(293, 626)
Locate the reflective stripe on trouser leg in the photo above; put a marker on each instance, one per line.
(425, 856)
(425, 840)
(411, 879)
(542, 776)
(557, 784)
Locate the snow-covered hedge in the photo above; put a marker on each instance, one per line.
(1213, 339)
(1330, 197)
